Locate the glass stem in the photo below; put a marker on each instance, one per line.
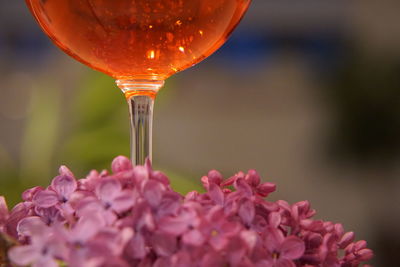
(141, 117)
(140, 95)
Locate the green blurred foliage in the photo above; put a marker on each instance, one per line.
(98, 130)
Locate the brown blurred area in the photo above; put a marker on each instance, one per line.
(305, 92)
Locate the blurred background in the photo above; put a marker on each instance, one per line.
(306, 92)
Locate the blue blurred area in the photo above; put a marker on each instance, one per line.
(30, 47)
(245, 48)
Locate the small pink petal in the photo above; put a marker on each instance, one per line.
(137, 247)
(87, 227)
(214, 177)
(121, 164)
(194, 238)
(109, 262)
(90, 182)
(45, 199)
(360, 245)
(164, 244)
(140, 174)
(292, 248)
(79, 259)
(28, 194)
(329, 226)
(93, 174)
(123, 201)
(20, 211)
(148, 165)
(243, 187)
(153, 192)
(64, 185)
(259, 223)
(349, 248)
(365, 254)
(350, 257)
(265, 189)
(312, 225)
(45, 262)
(32, 226)
(346, 239)
(269, 206)
(213, 259)
(53, 214)
(327, 243)
(339, 230)
(216, 194)
(274, 219)
(247, 212)
(314, 240)
(173, 225)
(88, 205)
(264, 263)
(230, 228)
(109, 217)
(63, 170)
(111, 240)
(3, 209)
(295, 213)
(273, 239)
(219, 241)
(205, 181)
(162, 262)
(104, 173)
(230, 207)
(236, 250)
(303, 206)
(181, 259)
(215, 214)
(24, 255)
(228, 182)
(143, 216)
(284, 263)
(170, 204)
(249, 238)
(125, 235)
(253, 178)
(108, 189)
(78, 196)
(284, 205)
(191, 196)
(161, 177)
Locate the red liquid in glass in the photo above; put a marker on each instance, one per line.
(138, 38)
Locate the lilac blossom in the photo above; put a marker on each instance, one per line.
(218, 229)
(3, 213)
(44, 248)
(283, 250)
(64, 184)
(132, 217)
(59, 192)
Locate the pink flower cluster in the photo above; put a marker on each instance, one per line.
(132, 217)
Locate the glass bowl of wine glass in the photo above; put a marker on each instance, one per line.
(140, 43)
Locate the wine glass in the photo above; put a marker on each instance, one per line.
(140, 43)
